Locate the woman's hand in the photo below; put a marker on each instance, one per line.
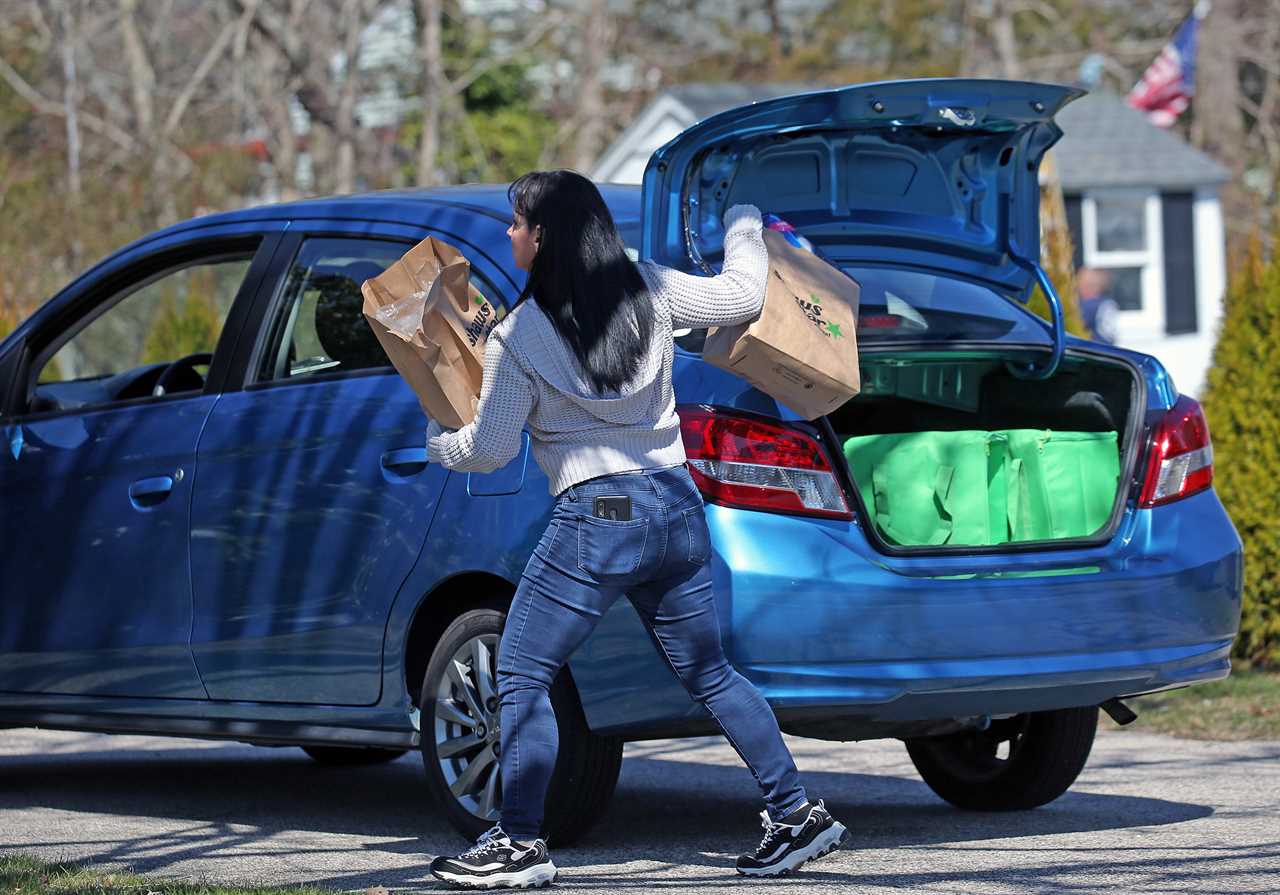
(434, 431)
(743, 217)
(434, 428)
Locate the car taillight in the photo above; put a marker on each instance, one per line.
(1181, 461)
(759, 464)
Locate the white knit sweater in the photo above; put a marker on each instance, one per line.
(532, 376)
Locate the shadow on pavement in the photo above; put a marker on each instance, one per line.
(666, 812)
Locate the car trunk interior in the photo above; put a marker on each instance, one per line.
(958, 451)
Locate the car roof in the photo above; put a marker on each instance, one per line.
(406, 205)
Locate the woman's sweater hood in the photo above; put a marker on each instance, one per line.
(628, 405)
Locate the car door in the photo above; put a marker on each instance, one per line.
(97, 468)
(315, 495)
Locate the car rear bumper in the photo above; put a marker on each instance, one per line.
(813, 701)
(821, 619)
(846, 642)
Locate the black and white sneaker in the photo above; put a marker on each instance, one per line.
(495, 862)
(806, 833)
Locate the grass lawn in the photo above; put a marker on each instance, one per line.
(22, 875)
(1245, 706)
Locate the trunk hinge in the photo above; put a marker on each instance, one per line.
(1057, 327)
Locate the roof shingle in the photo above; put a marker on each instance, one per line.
(1107, 142)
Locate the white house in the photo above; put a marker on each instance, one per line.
(1141, 203)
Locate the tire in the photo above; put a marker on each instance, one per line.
(587, 765)
(1046, 751)
(348, 756)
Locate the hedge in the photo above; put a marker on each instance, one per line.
(1242, 403)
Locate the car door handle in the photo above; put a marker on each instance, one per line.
(145, 493)
(405, 461)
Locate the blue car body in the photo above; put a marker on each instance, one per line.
(270, 561)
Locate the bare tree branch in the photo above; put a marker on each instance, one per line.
(48, 107)
(296, 53)
(142, 76)
(211, 56)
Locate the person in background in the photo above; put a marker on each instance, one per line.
(585, 359)
(1100, 312)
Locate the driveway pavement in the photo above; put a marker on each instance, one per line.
(1149, 814)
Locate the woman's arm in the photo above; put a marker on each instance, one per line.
(736, 294)
(492, 439)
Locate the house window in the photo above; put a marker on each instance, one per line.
(1121, 234)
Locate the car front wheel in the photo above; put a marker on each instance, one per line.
(461, 738)
(1016, 763)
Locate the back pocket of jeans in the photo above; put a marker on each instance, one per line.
(610, 548)
(699, 538)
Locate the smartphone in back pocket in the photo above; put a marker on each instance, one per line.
(614, 507)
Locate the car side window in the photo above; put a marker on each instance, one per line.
(171, 314)
(319, 324)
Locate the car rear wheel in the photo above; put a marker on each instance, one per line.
(346, 756)
(1016, 763)
(461, 738)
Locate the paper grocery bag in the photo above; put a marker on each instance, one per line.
(433, 324)
(802, 348)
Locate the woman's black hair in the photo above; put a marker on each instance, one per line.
(581, 275)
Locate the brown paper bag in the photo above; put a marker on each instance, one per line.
(433, 324)
(801, 350)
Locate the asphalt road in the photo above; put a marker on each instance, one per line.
(1149, 814)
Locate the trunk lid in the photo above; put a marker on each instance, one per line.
(937, 174)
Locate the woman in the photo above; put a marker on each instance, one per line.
(587, 365)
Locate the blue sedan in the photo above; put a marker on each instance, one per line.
(219, 519)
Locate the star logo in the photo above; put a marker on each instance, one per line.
(834, 330)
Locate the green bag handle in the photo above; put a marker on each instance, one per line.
(1017, 503)
(942, 503)
(941, 530)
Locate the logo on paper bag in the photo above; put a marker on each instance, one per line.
(482, 322)
(813, 313)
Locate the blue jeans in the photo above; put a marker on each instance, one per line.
(661, 561)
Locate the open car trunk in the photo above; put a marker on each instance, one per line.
(959, 452)
(974, 430)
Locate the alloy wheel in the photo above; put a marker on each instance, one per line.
(466, 729)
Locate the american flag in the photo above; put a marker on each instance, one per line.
(1170, 81)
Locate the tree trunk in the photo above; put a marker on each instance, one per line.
(142, 77)
(1005, 40)
(70, 100)
(776, 50)
(345, 132)
(596, 38)
(431, 48)
(268, 79)
(1218, 127)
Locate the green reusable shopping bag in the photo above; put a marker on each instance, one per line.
(931, 488)
(1063, 484)
(980, 488)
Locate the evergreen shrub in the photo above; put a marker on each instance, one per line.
(1242, 403)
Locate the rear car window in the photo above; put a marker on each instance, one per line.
(907, 305)
(910, 306)
(630, 233)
